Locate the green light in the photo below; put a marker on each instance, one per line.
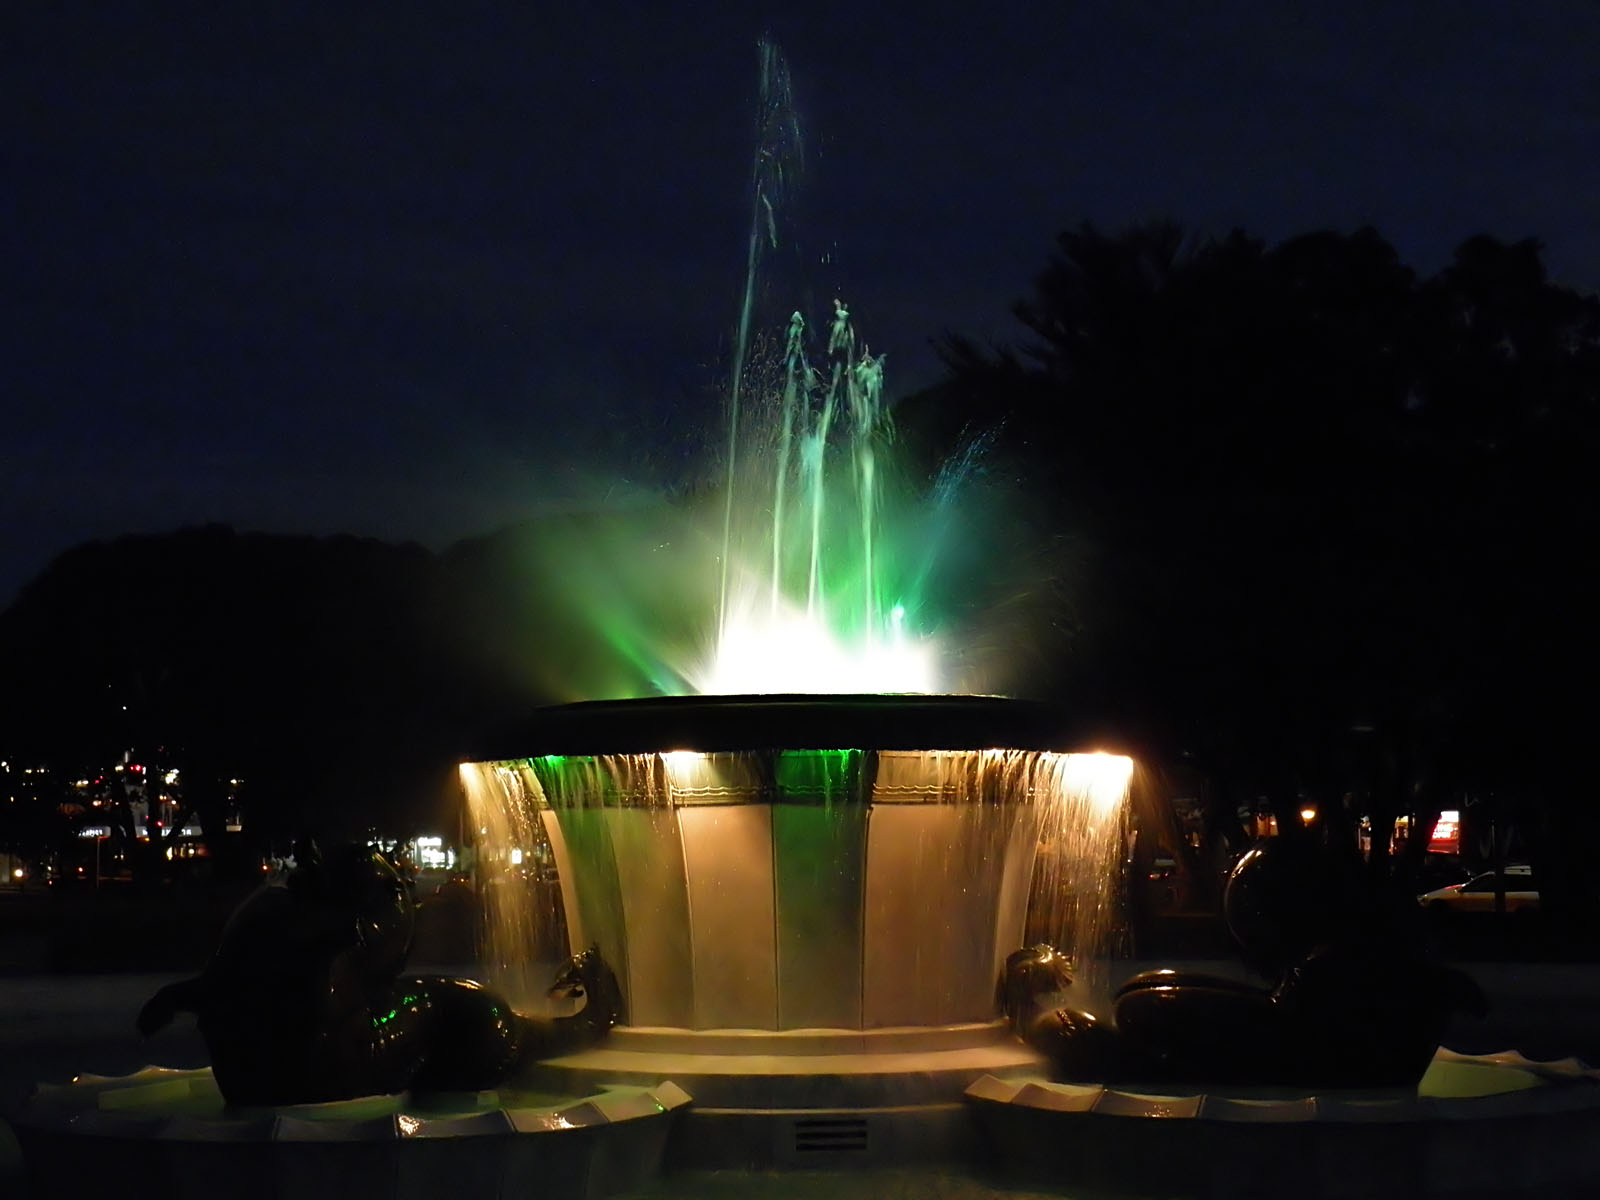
(817, 774)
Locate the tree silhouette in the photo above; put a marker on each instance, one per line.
(1322, 495)
(315, 669)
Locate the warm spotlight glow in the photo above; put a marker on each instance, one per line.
(1308, 815)
(1102, 777)
(792, 652)
(684, 767)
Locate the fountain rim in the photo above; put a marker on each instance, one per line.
(757, 722)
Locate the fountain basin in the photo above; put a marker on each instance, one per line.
(168, 1132)
(1477, 1125)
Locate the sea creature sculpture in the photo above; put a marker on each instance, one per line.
(1354, 1001)
(1030, 974)
(304, 1001)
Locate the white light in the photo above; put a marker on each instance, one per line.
(17, 874)
(685, 768)
(516, 856)
(1102, 777)
(793, 652)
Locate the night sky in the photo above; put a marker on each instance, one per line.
(419, 270)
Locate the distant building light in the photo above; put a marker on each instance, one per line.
(430, 853)
(95, 831)
(516, 856)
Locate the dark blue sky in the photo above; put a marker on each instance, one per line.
(417, 270)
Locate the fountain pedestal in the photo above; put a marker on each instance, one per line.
(808, 1097)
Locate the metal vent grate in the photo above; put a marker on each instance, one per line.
(830, 1135)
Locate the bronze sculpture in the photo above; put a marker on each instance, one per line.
(304, 1000)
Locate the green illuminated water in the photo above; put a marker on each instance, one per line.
(816, 561)
(811, 598)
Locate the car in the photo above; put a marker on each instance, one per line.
(1477, 894)
(1440, 870)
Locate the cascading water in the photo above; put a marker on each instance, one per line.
(517, 914)
(686, 865)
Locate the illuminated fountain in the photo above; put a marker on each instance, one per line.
(810, 897)
(808, 900)
(808, 877)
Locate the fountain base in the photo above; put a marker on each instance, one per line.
(168, 1133)
(1476, 1126)
(807, 1097)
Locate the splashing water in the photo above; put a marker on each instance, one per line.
(803, 605)
(809, 600)
(818, 565)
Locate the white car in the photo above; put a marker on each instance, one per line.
(1477, 893)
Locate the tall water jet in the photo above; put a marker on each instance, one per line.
(779, 152)
(801, 557)
(812, 568)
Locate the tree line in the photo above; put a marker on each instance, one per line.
(1337, 514)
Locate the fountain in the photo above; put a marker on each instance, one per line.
(811, 881)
